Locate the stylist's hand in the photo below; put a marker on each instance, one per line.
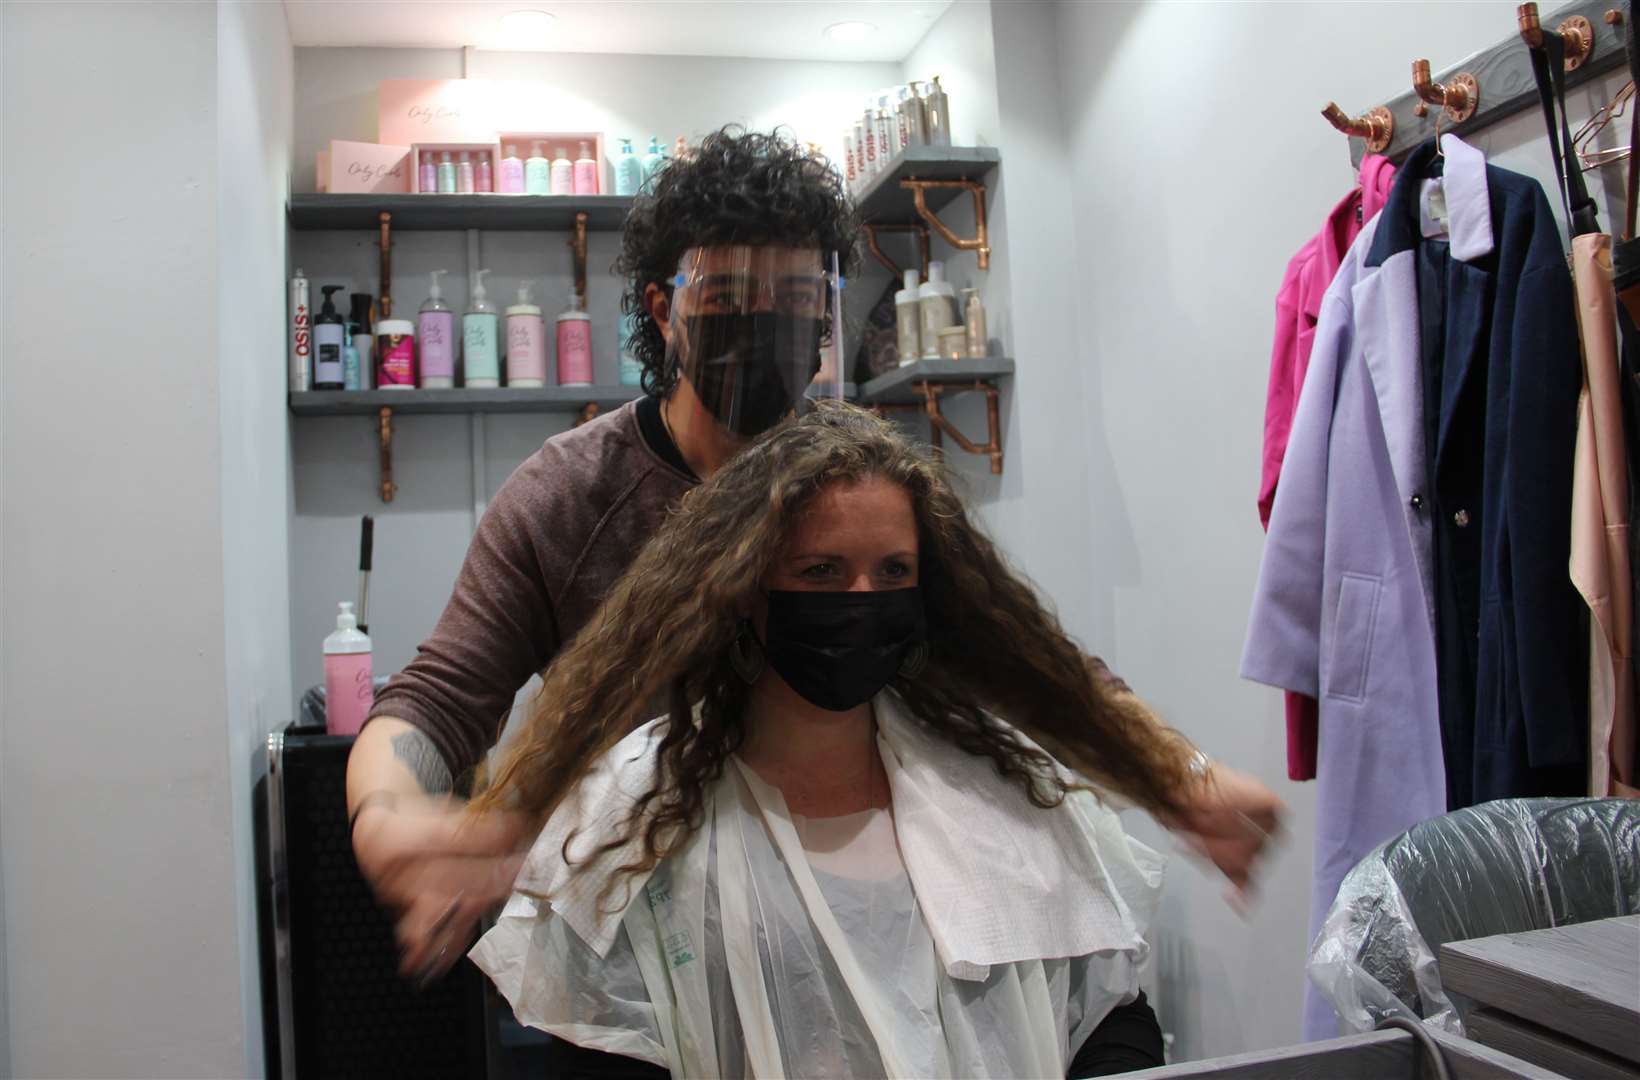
(440, 869)
(1230, 818)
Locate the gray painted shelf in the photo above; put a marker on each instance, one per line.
(885, 202)
(546, 399)
(545, 213)
(898, 386)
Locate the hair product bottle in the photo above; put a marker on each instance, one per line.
(939, 115)
(938, 301)
(973, 314)
(526, 342)
(655, 160)
(349, 688)
(479, 350)
(575, 344)
(351, 378)
(301, 334)
(537, 172)
(631, 366)
(586, 171)
(464, 174)
(628, 170)
(512, 172)
(563, 174)
(328, 343)
(395, 354)
(908, 321)
(446, 174)
(360, 319)
(484, 181)
(436, 327)
(427, 178)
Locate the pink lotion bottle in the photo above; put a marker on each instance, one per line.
(512, 173)
(586, 172)
(429, 174)
(575, 344)
(349, 689)
(486, 174)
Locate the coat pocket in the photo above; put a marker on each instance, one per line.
(1351, 651)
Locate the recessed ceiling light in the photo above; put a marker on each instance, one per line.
(528, 23)
(850, 32)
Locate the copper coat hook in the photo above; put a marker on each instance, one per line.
(1377, 126)
(1458, 95)
(578, 249)
(981, 242)
(1576, 31)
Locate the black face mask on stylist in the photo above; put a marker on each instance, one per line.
(751, 370)
(840, 649)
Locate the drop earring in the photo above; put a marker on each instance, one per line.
(746, 654)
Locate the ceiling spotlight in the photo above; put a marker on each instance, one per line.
(847, 33)
(528, 23)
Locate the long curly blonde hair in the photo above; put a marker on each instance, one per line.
(664, 632)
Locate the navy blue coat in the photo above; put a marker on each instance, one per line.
(1502, 372)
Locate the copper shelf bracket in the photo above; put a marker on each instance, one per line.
(386, 220)
(938, 425)
(384, 427)
(1376, 127)
(1576, 31)
(578, 246)
(589, 411)
(1459, 95)
(921, 230)
(981, 242)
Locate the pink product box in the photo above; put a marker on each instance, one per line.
(552, 141)
(364, 168)
(411, 111)
(477, 153)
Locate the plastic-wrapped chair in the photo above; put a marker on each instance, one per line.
(1503, 867)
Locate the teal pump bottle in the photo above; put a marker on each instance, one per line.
(479, 344)
(628, 170)
(352, 374)
(655, 160)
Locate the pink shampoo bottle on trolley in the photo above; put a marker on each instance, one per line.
(349, 688)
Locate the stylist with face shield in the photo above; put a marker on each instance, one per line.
(734, 257)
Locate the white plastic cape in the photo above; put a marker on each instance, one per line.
(994, 949)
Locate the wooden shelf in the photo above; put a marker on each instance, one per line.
(546, 399)
(885, 202)
(898, 387)
(544, 213)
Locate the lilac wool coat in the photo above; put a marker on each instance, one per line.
(1344, 607)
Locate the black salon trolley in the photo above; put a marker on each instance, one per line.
(334, 1004)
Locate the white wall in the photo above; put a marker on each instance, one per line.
(422, 535)
(123, 954)
(1197, 166)
(254, 109)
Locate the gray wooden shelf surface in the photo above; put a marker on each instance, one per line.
(899, 386)
(885, 202)
(1377, 1055)
(545, 213)
(546, 399)
(1504, 72)
(1582, 981)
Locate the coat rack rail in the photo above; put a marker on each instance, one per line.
(1504, 74)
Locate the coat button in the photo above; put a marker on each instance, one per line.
(1417, 502)
(1461, 519)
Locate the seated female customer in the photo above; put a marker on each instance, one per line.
(862, 842)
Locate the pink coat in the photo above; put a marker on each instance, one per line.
(1298, 309)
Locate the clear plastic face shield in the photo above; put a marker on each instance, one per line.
(757, 332)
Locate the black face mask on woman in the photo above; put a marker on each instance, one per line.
(750, 370)
(839, 649)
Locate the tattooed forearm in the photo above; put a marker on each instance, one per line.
(422, 758)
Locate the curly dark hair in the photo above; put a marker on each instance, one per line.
(736, 187)
(666, 630)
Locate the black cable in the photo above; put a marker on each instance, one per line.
(1437, 1056)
